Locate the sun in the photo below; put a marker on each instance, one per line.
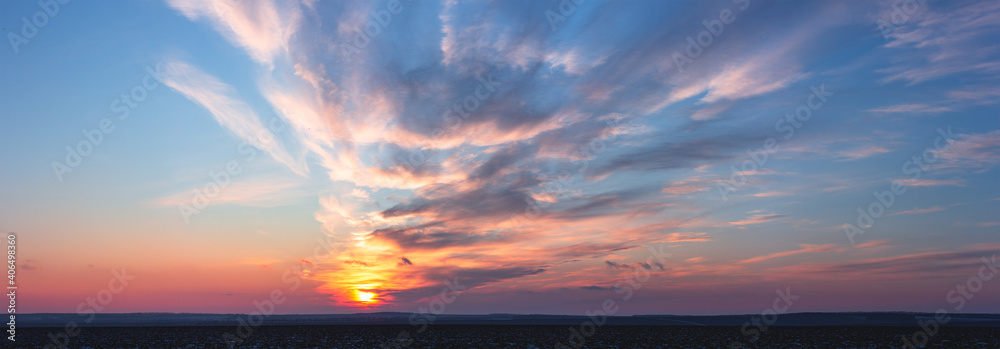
(365, 297)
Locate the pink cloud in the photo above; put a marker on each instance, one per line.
(861, 153)
(758, 219)
(931, 182)
(911, 108)
(805, 248)
(263, 28)
(918, 211)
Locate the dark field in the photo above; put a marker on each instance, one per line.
(506, 336)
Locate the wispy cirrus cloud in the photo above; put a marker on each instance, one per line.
(918, 211)
(758, 219)
(972, 153)
(861, 153)
(257, 192)
(911, 108)
(805, 248)
(910, 182)
(229, 110)
(263, 27)
(944, 41)
(968, 258)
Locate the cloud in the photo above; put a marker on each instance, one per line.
(613, 265)
(753, 78)
(977, 94)
(257, 192)
(909, 182)
(918, 211)
(944, 41)
(689, 185)
(683, 189)
(861, 153)
(805, 248)
(918, 263)
(432, 238)
(911, 108)
(873, 244)
(708, 113)
(687, 237)
(972, 153)
(643, 265)
(758, 219)
(768, 194)
(262, 27)
(668, 155)
(229, 110)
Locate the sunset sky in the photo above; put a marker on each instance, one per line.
(361, 156)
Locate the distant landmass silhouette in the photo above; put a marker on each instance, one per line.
(394, 318)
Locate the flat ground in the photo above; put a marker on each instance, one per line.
(467, 336)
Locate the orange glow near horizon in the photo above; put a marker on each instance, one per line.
(360, 276)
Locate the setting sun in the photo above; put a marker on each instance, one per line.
(365, 297)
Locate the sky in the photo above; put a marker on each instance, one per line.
(538, 157)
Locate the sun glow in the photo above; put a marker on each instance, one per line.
(365, 297)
